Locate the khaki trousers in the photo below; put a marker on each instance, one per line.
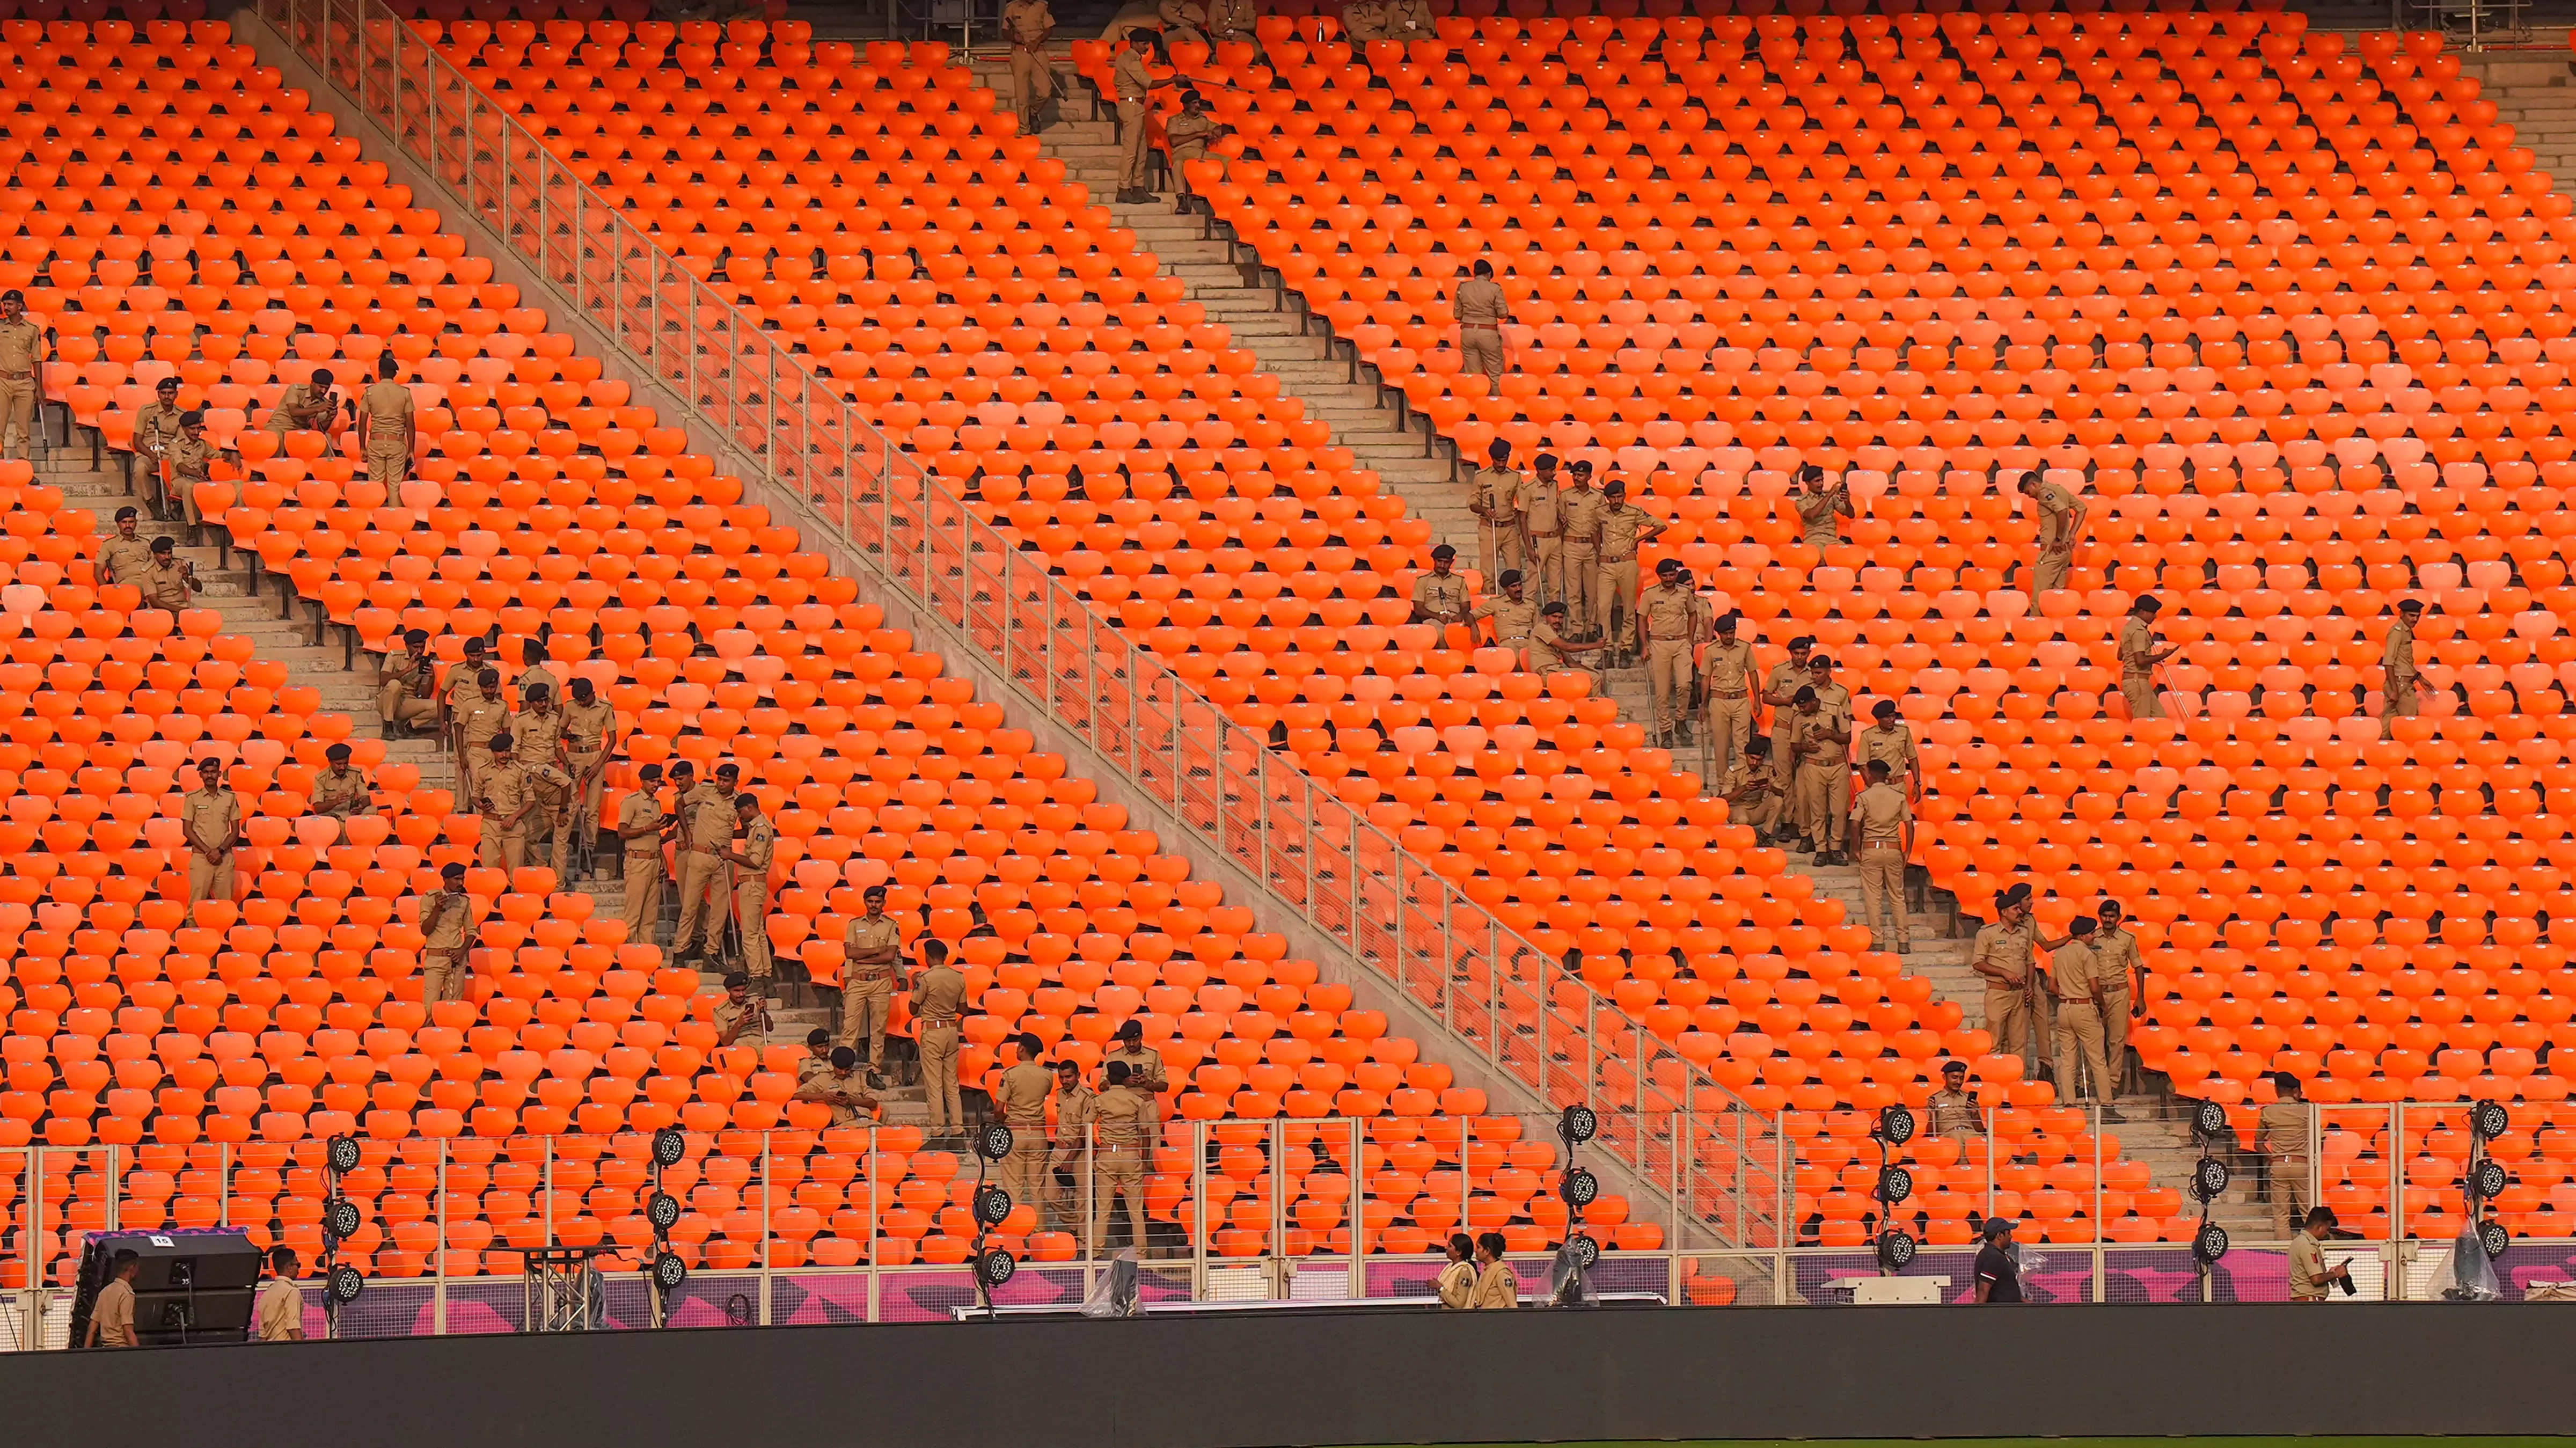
(1120, 1171)
(701, 904)
(866, 1007)
(1882, 883)
(17, 415)
(751, 912)
(1668, 671)
(143, 476)
(1032, 82)
(1730, 729)
(1480, 349)
(1582, 568)
(474, 758)
(400, 708)
(1825, 801)
(2008, 1020)
(1614, 601)
(1024, 1170)
(209, 879)
(939, 1077)
(2079, 1043)
(2051, 569)
(581, 815)
(388, 467)
(503, 849)
(185, 490)
(443, 980)
(1762, 814)
(1131, 145)
(2289, 1193)
(2140, 692)
(1547, 559)
(2115, 1037)
(2398, 702)
(643, 896)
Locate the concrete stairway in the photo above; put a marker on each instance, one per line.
(2535, 93)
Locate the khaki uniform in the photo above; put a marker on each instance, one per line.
(752, 1015)
(2117, 951)
(1820, 796)
(1515, 624)
(479, 717)
(867, 992)
(1077, 1110)
(406, 691)
(1148, 1076)
(501, 791)
(446, 928)
(340, 793)
(22, 351)
(2013, 1009)
(1881, 815)
(938, 999)
(2281, 1134)
(1582, 508)
(192, 461)
(537, 737)
(1834, 700)
(1021, 1096)
(302, 406)
(1027, 22)
(1442, 594)
(281, 1311)
(1816, 515)
(1779, 687)
(1954, 1114)
(1496, 1288)
(385, 409)
(585, 736)
(1230, 19)
(166, 587)
(154, 427)
(1500, 544)
(112, 1316)
(1187, 136)
(1456, 1286)
(1756, 795)
(1893, 743)
(123, 560)
(1726, 670)
(757, 843)
(1481, 308)
(2137, 676)
(643, 864)
(1364, 21)
(837, 1090)
(2056, 537)
(1408, 20)
(706, 821)
(535, 674)
(1540, 502)
(1126, 1119)
(1547, 651)
(214, 816)
(1181, 21)
(1615, 588)
(1671, 618)
(2397, 677)
(2308, 1280)
(1134, 86)
(2076, 971)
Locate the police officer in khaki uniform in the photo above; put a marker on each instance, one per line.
(447, 935)
(2123, 979)
(279, 1315)
(871, 948)
(2075, 973)
(1953, 1110)
(1623, 529)
(539, 730)
(1495, 502)
(1539, 502)
(1440, 596)
(1364, 21)
(480, 715)
(742, 1017)
(1020, 1095)
(2397, 674)
(1755, 794)
(1833, 698)
(2061, 522)
(1669, 619)
(170, 584)
(1820, 505)
(535, 672)
(2138, 659)
(1183, 22)
(706, 822)
(1882, 839)
(1892, 744)
(1819, 748)
(387, 426)
(2281, 1135)
(111, 1316)
(589, 738)
(2002, 957)
(305, 406)
(838, 1086)
(754, 845)
(407, 687)
(1482, 312)
(1408, 20)
(501, 790)
(938, 1004)
(1126, 1117)
(461, 679)
(1028, 23)
(339, 791)
(1515, 617)
(191, 460)
(1497, 1289)
(1551, 649)
(210, 818)
(22, 374)
(1726, 671)
(1077, 1110)
(1230, 20)
(1780, 689)
(1134, 85)
(123, 555)
(1582, 507)
(1146, 1071)
(639, 832)
(154, 426)
(1187, 135)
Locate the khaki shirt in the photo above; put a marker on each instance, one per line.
(1816, 511)
(706, 816)
(189, 457)
(938, 995)
(1812, 739)
(1408, 19)
(1497, 1288)
(1780, 687)
(757, 843)
(2281, 1130)
(387, 408)
(1188, 134)
(1542, 506)
(1751, 779)
(2137, 643)
(2117, 950)
(833, 1088)
(405, 669)
(2056, 518)
(1833, 699)
(214, 814)
(1179, 15)
(1497, 496)
(1514, 621)
(1670, 611)
(2008, 948)
(1145, 1069)
(1229, 18)
(1620, 527)
(1027, 22)
(1893, 743)
(1583, 509)
(869, 933)
(155, 425)
(22, 345)
(1547, 644)
(1364, 20)
(123, 560)
(113, 1314)
(728, 1015)
(1132, 80)
(1954, 1111)
(165, 586)
(2074, 969)
(534, 736)
(1126, 1116)
(2307, 1267)
(444, 918)
(585, 728)
(639, 808)
(1881, 813)
(2398, 658)
(1480, 303)
(281, 1310)
(1443, 594)
(300, 406)
(479, 716)
(1728, 668)
(1076, 1108)
(539, 674)
(1022, 1093)
(505, 792)
(340, 793)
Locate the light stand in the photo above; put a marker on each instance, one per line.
(341, 1221)
(2208, 1183)
(1578, 1187)
(2486, 1178)
(993, 1264)
(662, 1210)
(1895, 1244)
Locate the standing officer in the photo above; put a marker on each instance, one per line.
(279, 1317)
(1540, 504)
(1820, 758)
(2076, 973)
(1482, 310)
(639, 830)
(938, 1002)
(447, 936)
(1515, 617)
(755, 844)
(463, 677)
(22, 374)
(1146, 1071)
(480, 715)
(407, 687)
(2061, 522)
(1726, 668)
(1020, 1094)
(123, 555)
(1126, 1116)
(386, 427)
(870, 949)
(1135, 85)
(538, 731)
(154, 426)
(2123, 978)
(706, 818)
(1780, 690)
(1892, 744)
(501, 789)
(191, 459)
(1820, 506)
(589, 738)
(1077, 1108)
(534, 673)
(1187, 135)
(2138, 659)
(2281, 1134)
(1440, 596)
(2002, 956)
(1833, 698)
(1028, 23)
(1623, 529)
(2397, 668)
(1882, 836)
(1496, 504)
(1669, 620)
(1582, 507)
(211, 820)
(170, 584)
(304, 406)
(339, 791)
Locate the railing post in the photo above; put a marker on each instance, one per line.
(1784, 1229)
(2097, 1201)
(768, 1225)
(1198, 1211)
(1358, 1211)
(2397, 1236)
(438, 1283)
(875, 1267)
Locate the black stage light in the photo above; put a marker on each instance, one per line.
(2209, 1179)
(341, 1219)
(992, 1205)
(2489, 1121)
(344, 1154)
(1578, 1125)
(1895, 1249)
(2209, 1243)
(2493, 1237)
(2487, 1180)
(346, 1283)
(1895, 1125)
(1895, 1184)
(995, 1267)
(2209, 1121)
(662, 1210)
(669, 1146)
(993, 1142)
(1585, 1250)
(1579, 1188)
(669, 1271)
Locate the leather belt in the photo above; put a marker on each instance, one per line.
(17, 376)
(1729, 693)
(1536, 534)
(1480, 326)
(1882, 844)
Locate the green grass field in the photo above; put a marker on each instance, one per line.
(2300, 1442)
